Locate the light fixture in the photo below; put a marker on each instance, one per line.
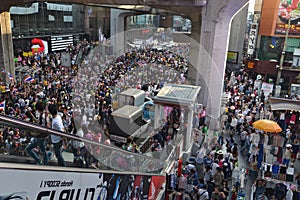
(130, 7)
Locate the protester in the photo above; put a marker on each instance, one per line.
(39, 140)
(57, 141)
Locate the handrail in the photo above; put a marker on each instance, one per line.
(13, 122)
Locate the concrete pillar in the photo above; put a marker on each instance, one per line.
(193, 73)
(86, 20)
(188, 137)
(215, 32)
(157, 115)
(117, 24)
(6, 43)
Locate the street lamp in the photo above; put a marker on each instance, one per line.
(278, 87)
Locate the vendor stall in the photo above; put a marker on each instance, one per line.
(274, 163)
(269, 188)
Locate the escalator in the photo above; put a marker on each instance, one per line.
(110, 157)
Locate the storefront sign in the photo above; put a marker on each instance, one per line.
(252, 38)
(39, 45)
(250, 65)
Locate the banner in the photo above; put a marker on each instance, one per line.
(64, 185)
(288, 10)
(65, 59)
(252, 38)
(267, 88)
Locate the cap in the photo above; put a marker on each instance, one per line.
(288, 145)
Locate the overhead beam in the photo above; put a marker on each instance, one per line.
(5, 5)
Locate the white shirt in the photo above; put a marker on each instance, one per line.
(214, 168)
(76, 143)
(57, 124)
(255, 139)
(203, 194)
(282, 116)
(234, 122)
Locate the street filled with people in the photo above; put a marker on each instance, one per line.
(79, 95)
(80, 99)
(239, 146)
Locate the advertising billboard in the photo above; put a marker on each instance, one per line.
(289, 10)
(232, 57)
(61, 185)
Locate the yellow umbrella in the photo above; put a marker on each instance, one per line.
(267, 126)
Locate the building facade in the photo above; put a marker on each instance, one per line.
(277, 27)
(62, 23)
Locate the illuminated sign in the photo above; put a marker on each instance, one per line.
(59, 43)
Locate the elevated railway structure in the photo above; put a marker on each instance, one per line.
(209, 38)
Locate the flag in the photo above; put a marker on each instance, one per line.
(28, 78)
(10, 76)
(2, 106)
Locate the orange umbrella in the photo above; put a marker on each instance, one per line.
(267, 126)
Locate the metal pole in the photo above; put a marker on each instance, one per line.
(283, 52)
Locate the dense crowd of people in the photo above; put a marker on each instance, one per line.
(210, 173)
(86, 92)
(80, 99)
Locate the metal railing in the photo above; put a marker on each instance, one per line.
(110, 157)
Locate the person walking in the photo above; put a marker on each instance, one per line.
(80, 151)
(57, 141)
(39, 140)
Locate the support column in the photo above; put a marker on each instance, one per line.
(194, 73)
(157, 116)
(117, 28)
(215, 32)
(6, 50)
(188, 137)
(86, 20)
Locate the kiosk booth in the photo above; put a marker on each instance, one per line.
(180, 97)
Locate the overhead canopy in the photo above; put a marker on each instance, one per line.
(177, 95)
(284, 104)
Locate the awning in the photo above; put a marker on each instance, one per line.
(284, 104)
(178, 95)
